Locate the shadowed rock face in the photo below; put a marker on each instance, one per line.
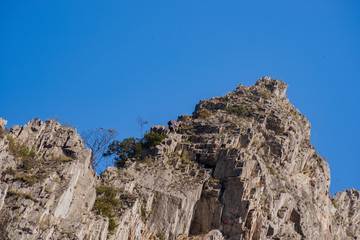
(240, 167)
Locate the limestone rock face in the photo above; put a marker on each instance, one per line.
(267, 179)
(47, 189)
(240, 167)
(348, 214)
(164, 187)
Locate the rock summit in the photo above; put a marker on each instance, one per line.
(241, 166)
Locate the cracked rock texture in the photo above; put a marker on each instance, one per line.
(47, 188)
(347, 212)
(240, 167)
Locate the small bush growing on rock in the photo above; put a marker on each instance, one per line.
(19, 150)
(23, 153)
(185, 131)
(350, 213)
(2, 132)
(107, 204)
(266, 93)
(240, 111)
(185, 156)
(106, 201)
(128, 148)
(272, 170)
(112, 225)
(204, 113)
(31, 179)
(11, 192)
(133, 147)
(143, 213)
(160, 236)
(152, 139)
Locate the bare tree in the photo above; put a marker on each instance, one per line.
(141, 122)
(98, 140)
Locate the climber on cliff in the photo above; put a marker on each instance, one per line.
(172, 126)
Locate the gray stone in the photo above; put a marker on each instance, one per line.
(3, 123)
(240, 167)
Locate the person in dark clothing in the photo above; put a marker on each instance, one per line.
(172, 126)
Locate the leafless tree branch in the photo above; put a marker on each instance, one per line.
(97, 141)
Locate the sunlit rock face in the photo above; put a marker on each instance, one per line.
(240, 167)
(347, 213)
(47, 187)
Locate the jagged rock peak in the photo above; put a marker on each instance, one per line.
(240, 167)
(276, 87)
(3, 123)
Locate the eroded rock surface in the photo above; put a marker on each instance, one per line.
(268, 181)
(348, 214)
(240, 167)
(47, 188)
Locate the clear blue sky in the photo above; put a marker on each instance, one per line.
(103, 63)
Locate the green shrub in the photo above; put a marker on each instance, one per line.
(272, 170)
(350, 213)
(240, 111)
(143, 213)
(133, 147)
(2, 132)
(185, 131)
(152, 139)
(128, 148)
(182, 131)
(31, 179)
(19, 150)
(266, 93)
(107, 204)
(23, 153)
(160, 236)
(184, 157)
(112, 225)
(106, 199)
(204, 113)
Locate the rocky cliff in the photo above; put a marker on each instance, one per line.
(240, 167)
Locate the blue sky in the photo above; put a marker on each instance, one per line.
(103, 63)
